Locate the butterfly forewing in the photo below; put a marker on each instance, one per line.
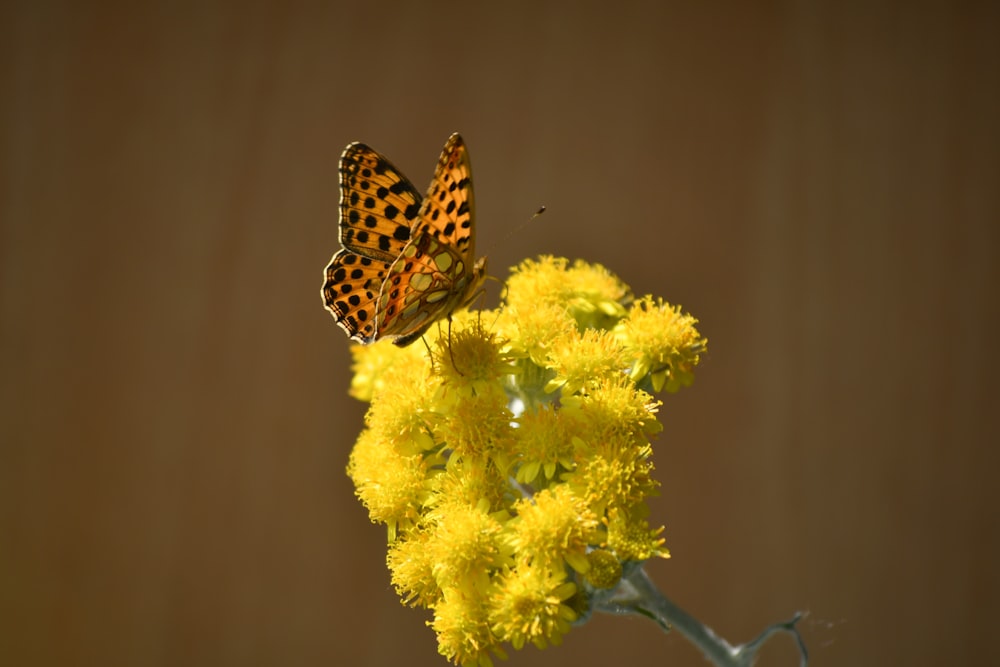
(378, 205)
(387, 283)
(448, 208)
(438, 259)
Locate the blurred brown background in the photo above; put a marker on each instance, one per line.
(816, 182)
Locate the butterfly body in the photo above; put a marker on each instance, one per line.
(407, 261)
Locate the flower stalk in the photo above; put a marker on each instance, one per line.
(637, 594)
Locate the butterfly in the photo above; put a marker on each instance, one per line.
(407, 261)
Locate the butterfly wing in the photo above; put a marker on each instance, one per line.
(448, 208)
(378, 205)
(352, 286)
(435, 273)
(407, 261)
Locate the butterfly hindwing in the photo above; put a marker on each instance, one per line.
(352, 286)
(423, 287)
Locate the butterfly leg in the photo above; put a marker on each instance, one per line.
(450, 352)
(430, 355)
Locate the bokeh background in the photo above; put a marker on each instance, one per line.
(816, 182)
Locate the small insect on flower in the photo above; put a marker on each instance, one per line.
(406, 261)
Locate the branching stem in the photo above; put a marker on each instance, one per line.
(637, 594)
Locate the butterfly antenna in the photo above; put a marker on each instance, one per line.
(512, 232)
(541, 209)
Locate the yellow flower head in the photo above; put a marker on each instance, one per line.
(510, 455)
(553, 529)
(581, 360)
(464, 547)
(544, 441)
(392, 486)
(591, 294)
(529, 606)
(663, 344)
(463, 630)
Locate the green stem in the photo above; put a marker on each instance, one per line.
(637, 594)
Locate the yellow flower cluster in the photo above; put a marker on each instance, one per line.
(509, 457)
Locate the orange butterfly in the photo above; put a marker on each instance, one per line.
(406, 261)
